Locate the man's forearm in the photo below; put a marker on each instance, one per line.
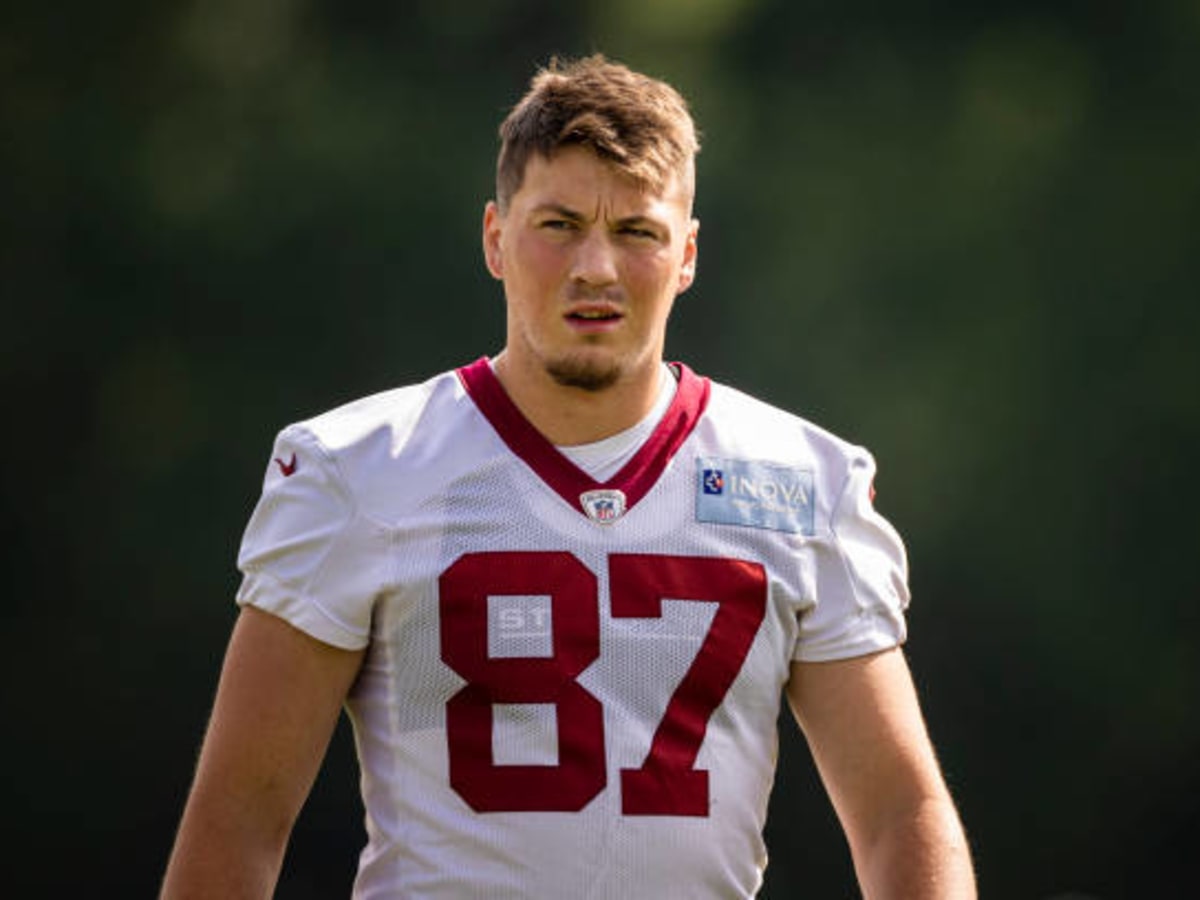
(219, 856)
(214, 874)
(922, 856)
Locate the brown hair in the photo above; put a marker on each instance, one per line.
(639, 124)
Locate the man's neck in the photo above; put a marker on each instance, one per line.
(569, 416)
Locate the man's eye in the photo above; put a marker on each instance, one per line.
(640, 233)
(558, 224)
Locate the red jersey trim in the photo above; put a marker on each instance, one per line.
(636, 477)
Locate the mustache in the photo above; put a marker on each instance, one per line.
(607, 293)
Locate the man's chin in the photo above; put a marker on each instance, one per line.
(584, 374)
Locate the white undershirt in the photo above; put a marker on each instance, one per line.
(603, 459)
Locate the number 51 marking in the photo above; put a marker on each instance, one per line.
(666, 784)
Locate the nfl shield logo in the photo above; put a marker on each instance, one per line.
(604, 507)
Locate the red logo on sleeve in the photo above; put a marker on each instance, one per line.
(287, 468)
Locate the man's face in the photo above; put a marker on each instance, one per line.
(591, 266)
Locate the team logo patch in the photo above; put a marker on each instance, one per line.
(603, 506)
(758, 494)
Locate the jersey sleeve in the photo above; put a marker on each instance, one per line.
(860, 577)
(307, 554)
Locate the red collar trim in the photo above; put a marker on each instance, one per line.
(636, 477)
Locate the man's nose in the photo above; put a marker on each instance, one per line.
(595, 259)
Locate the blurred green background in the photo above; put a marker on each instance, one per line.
(965, 235)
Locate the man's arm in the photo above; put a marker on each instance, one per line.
(863, 724)
(277, 704)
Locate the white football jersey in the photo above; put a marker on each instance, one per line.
(571, 688)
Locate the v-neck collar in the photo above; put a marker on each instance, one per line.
(575, 486)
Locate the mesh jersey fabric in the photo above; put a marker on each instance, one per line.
(562, 704)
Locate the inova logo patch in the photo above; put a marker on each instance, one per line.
(758, 494)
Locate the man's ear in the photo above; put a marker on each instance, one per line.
(493, 222)
(687, 272)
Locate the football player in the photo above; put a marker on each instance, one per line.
(561, 590)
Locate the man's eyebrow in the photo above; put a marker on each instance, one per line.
(560, 210)
(565, 212)
(640, 219)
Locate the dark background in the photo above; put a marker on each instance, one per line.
(965, 235)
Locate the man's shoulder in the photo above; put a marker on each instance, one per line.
(770, 426)
(391, 415)
(388, 449)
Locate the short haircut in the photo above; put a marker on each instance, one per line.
(638, 124)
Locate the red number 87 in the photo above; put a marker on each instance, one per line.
(666, 783)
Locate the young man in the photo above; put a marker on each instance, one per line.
(560, 591)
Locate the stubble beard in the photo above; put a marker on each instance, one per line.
(584, 374)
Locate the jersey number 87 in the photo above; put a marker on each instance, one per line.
(666, 783)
